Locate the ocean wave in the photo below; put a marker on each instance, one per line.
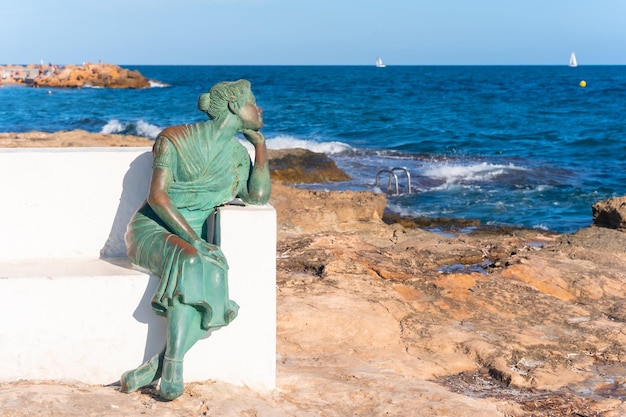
(157, 84)
(460, 174)
(416, 211)
(138, 128)
(290, 142)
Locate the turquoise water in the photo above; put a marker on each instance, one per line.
(509, 145)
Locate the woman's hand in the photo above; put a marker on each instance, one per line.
(255, 137)
(258, 188)
(211, 251)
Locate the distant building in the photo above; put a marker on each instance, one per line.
(19, 74)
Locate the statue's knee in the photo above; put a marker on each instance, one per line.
(217, 275)
(192, 258)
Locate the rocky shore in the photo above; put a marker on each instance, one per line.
(378, 317)
(72, 76)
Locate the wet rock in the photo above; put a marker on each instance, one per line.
(610, 213)
(444, 223)
(301, 166)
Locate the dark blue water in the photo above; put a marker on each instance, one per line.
(509, 145)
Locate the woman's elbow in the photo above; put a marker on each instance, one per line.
(157, 200)
(259, 198)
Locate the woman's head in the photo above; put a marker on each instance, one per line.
(215, 103)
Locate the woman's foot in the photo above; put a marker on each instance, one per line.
(144, 375)
(172, 385)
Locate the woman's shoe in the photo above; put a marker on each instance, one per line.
(144, 375)
(172, 384)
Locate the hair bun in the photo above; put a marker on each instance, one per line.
(204, 101)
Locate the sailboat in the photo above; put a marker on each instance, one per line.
(379, 63)
(572, 60)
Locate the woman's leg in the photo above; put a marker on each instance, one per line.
(183, 331)
(144, 375)
(186, 324)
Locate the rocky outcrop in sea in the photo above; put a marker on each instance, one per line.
(72, 76)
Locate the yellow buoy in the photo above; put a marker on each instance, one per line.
(583, 84)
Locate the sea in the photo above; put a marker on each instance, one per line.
(521, 146)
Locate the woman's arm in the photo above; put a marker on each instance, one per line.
(259, 186)
(162, 204)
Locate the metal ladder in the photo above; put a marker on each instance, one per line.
(392, 174)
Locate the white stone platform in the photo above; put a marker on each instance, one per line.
(72, 308)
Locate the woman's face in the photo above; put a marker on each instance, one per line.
(251, 115)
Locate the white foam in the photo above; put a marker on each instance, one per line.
(139, 128)
(290, 142)
(455, 174)
(112, 126)
(147, 129)
(157, 84)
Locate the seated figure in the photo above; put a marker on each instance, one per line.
(196, 168)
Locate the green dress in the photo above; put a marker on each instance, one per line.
(206, 173)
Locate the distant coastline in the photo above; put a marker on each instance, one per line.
(72, 76)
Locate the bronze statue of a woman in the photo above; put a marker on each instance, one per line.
(196, 168)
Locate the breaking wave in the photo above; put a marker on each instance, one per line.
(290, 142)
(139, 128)
(463, 174)
(157, 84)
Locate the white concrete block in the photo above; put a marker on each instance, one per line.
(247, 346)
(86, 324)
(91, 320)
(69, 202)
(68, 315)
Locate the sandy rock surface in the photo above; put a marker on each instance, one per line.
(69, 139)
(378, 319)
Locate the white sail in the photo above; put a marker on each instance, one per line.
(572, 60)
(379, 63)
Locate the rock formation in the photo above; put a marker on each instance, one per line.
(610, 213)
(73, 76)
(301, 166)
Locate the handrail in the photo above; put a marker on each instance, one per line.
(408, 176)
(392, 173)
(382, 171)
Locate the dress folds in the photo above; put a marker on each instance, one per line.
(205, 173)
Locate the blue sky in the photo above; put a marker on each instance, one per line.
(314, 32)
